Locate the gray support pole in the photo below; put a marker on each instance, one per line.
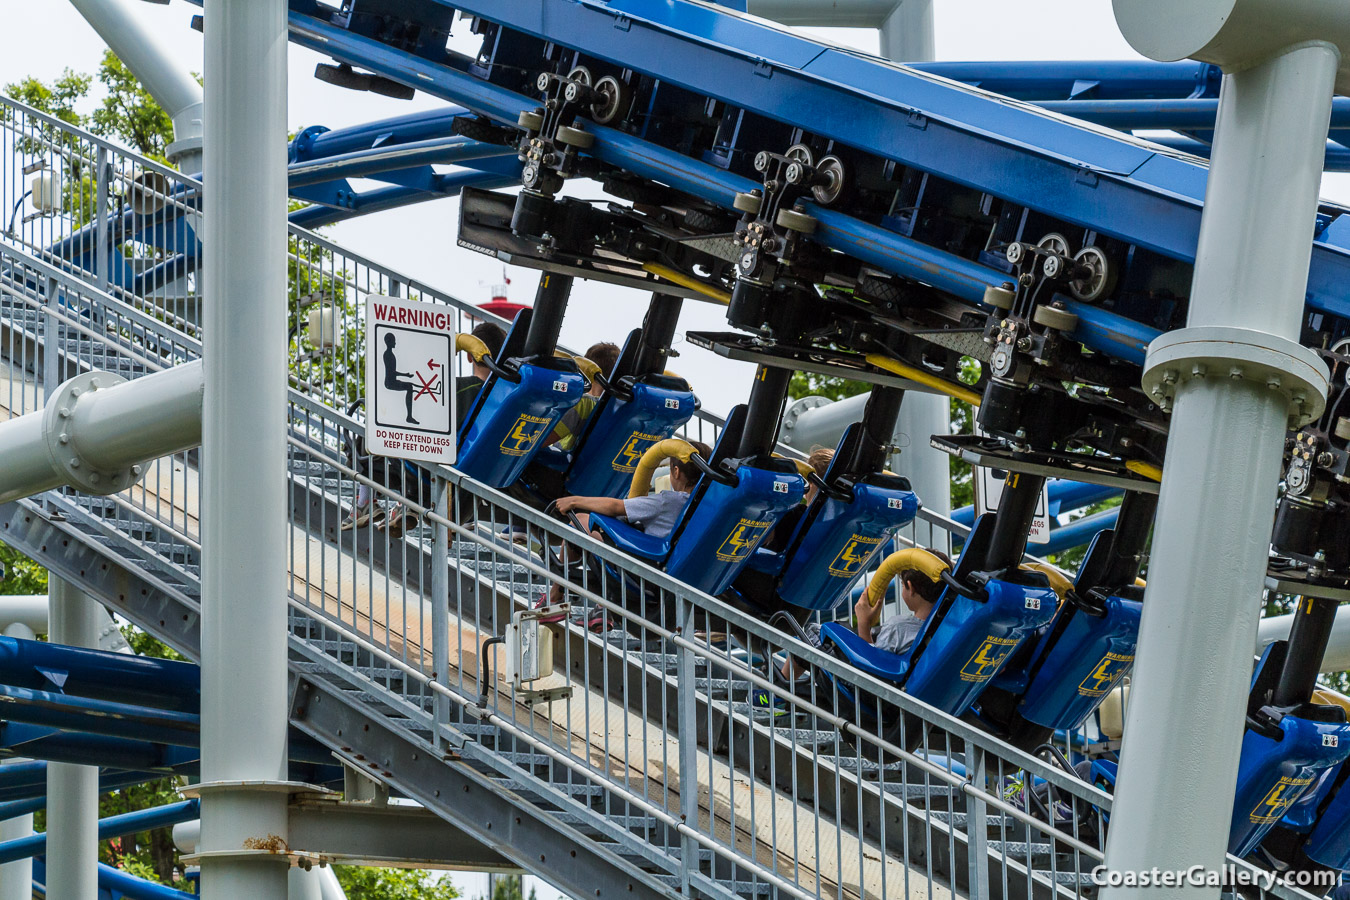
(72, 791)
(1337, 657)
(1237, 374)
(174, 89)
(244, 531)
(16, 878)
(907, 34)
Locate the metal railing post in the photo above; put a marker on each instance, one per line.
(440, 607)
(977, 827)
(687, 733)
(101, 260)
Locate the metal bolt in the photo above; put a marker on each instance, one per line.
(136, 470)
(63, 412)
(93, 384)
(65, 438)
(1325, 458)
(1169, 376)
(1024, 344)
(75, 392)
(1199, 370)
(74, 463)
(94, 478)
(1273, 382)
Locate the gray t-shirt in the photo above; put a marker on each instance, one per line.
(655, 514)
(897, 633)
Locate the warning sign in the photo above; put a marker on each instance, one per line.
(989, 490)
(410, 409)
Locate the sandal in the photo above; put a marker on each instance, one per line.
(356, 518)
(401, 521)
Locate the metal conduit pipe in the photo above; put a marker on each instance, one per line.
(97, 430)
(174, 89)
(1337, 656)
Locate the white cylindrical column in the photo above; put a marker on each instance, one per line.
(16, 878)
(244, 531)
(1337, 657)
(97, 428)
(172, 87)
(1180, 758)
(907, 33)
(72, 791)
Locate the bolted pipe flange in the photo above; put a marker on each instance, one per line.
(63, 451)
(795, 411)
(1268, 360)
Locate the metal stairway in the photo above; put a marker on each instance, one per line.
(585, 791)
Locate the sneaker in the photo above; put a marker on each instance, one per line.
(763, 701)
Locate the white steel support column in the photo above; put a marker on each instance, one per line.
(907, 35)
(72, 790)
(173, 87)
(1235, 377)
(244, 531)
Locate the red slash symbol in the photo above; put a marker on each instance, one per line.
(428, 385)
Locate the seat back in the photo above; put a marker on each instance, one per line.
(1083, 663)
(873, 660)
(1329, 842)
(1273, 774)
(842, 538)
(719, 532)
(622, 429)
(959, 653)
(512, 415)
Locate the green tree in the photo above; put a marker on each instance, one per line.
(129, 113)
(365, 883)
(20, 574)
(510, 887)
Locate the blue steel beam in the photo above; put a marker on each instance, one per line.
(1065, 496)
(99, 716)
(1112, 184)
(368, 163)
(382, 199)
(108, 780)
(114, 884)
(1099, 79)
(98, 674)
(319, 142)
(39, 742)
(111, 827)
(1183, 115)
(119, 885)
(1078, 532)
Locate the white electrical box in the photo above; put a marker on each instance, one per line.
(46, 187)
(322, 326)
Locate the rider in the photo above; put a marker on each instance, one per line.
(655, 514)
